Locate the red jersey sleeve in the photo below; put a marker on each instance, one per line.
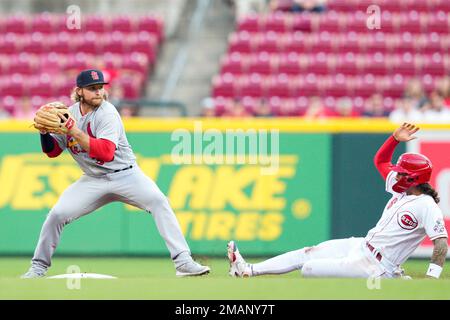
(383, 157)
(101, 149)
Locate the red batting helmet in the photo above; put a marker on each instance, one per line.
(417, 168)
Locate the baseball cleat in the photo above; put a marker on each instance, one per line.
(238, 266)
(33, 274)
(192, 268)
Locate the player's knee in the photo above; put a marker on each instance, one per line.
(308, 269)
(57, 217)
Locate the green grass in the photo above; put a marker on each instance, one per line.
(154, 278)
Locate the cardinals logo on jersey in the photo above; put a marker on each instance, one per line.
(73, 145)
(407, 220)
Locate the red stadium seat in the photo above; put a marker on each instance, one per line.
(365, 86)
(43, 23)
(349, 64)
(123, 24)
(233, 63)
(296, 43)
(88, 43)
(17, 24)
(302, 22)
(14, 86)
(146, 43)
(153, 24)
(261, 63)
(240, 42)
(434, 65)
(115, 43)
(280, 86)
(249, 23)
(438, 22)
(405, 65)
(349, 42)
(337, 86)
(289, 64)
(136, 62)
(224, 86)
(330, 22)
(268, 42)
(340, 5)
(276, 22)
(35, 43)
(357, 22)
(410, 22)
(431, 43)
(252, 86)
(318, 64)
(308, 86)
(95, 24)
(10, 44)
(394, 86)
(324, 42)
(376, 64)
(61, 43)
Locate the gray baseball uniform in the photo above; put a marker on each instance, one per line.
(103, 182)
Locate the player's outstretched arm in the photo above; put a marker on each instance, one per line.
(438, 257)
(383, 157)
(405, 132)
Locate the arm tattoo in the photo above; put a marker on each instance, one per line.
(439, 251)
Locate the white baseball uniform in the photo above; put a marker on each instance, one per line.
(103, 182)
(405, 222)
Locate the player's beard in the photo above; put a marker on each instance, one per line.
(93, 103)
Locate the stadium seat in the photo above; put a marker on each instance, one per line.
(60, 43)
(434, 65)
(393, 86)
(279, 86)
(308, 86)
(276, 22)
(146, 43)
(364, 86)
(252, 86)
(223, 86)
(295, 43)
(95, 24)
(123, 24)
(438, 22)
(17, 24)
(318, 64)
(249, 23)
(43, 23)
(240, 42)
(233, 63)
(261, 63)
(115, 43)
(267, 42)
(289, 64)
(153, 24)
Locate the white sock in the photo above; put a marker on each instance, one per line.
(283, 263)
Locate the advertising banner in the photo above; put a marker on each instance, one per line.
(436, 146)
(268, 190)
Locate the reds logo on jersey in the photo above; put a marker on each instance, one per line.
(407, 220)
(392, 203)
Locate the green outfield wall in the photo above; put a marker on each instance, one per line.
(324, 186)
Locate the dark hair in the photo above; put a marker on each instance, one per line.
(427, 189)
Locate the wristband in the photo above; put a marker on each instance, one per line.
(434, 270)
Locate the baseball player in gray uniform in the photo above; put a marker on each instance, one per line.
(96, 140)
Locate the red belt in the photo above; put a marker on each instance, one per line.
(372, 249)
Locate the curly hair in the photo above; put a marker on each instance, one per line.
(427, 189)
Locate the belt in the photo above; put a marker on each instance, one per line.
(123, 169)
(378, 256)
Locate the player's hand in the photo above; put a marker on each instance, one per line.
(69, 122)
(405, 132)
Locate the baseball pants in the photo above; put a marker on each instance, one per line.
(343, 258)
(88, 193)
